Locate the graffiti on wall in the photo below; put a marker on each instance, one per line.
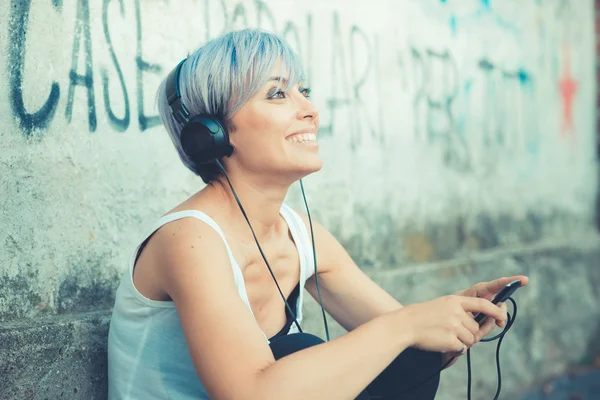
(84, 80)
(437, 85)
(509, 111)
(568, 89)
(439, 90)
(443, 113)
(347, 79)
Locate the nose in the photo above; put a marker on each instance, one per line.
(307, 110)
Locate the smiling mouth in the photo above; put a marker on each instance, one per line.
(303, 138)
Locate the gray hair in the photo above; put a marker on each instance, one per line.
(221, 76)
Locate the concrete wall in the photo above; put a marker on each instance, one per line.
(458, 140)
(597, 31)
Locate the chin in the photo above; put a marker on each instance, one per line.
(309, 168)
(313, 163)
(301, 169)
(318, 166)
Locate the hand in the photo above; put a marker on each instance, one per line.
(446, 324)
(486, 290)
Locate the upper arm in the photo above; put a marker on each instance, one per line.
(349, 295)
(226, 345)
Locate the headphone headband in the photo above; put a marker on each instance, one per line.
(180, 112)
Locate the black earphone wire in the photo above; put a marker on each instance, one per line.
(287, 305)
(500, 337)
(182, 116)
(509, 323)
(289, 309)
(312, 237)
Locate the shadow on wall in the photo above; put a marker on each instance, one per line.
(598, 160)
(592, 353)
(598, 192)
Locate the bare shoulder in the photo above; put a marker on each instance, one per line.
(184, 242)
(195, 271)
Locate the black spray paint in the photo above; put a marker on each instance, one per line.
(118, 124)
(354, 68)
(82, 32)
(146, 122)
(17, 29)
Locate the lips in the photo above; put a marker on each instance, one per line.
(312, 130)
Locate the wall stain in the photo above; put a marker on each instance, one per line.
(418, 247)
(19, 295)
(84, 291)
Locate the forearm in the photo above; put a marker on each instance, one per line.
(339, 369)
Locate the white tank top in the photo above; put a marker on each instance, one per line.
(148, 356)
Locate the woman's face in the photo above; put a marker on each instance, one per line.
(275, 131)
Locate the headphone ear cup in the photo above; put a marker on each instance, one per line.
(205, 139)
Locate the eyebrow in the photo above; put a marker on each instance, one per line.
(282, 79)
(278, 78)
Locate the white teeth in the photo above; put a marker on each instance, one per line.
(303, 138)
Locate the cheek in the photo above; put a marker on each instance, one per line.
(261, 126)
(254, 134)
(271, 125)
(256, 117)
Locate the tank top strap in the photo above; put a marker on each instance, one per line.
(165, 219)
(237, 272)
(303, 241)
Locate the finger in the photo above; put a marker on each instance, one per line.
(484, 329)
(485, 290)
(469, 322)
(457, 348)
(523, 278)
(484, 306)
(488, 326)
(497, 284)
(465, 336)
(504, 309)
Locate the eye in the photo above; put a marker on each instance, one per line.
(280, 94)
(306, 92)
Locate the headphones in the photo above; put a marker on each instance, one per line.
(203, 137)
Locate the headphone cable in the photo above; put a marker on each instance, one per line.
(312, 236)
(500, 336)
(259, 247)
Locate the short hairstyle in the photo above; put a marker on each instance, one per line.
(221, 76)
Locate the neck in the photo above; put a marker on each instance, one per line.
(261, 201)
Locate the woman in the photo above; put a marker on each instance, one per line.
(200, 316)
